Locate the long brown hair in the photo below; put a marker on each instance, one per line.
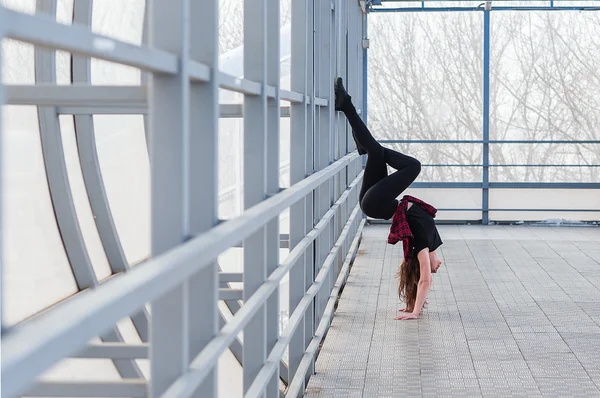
(409, 275)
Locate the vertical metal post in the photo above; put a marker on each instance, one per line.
(339, 127)
(364, 70)
(169, 137)
(202, 289)
(298, 169)
(353, 66)
(309, 318)
(323, 193)
(272, 180)
(255, 181)
(486, 114)
(333, 153)
(2, 101)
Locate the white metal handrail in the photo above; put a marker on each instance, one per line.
(28, 350)
(204, 362)
(277, 352)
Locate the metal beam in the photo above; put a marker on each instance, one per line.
(85, 99)
(114, 351)
(168, 141)
(311, 144)
(299, 132)
(201, 156)
(479, 209)
(122, 388)
(509, 185)
(324, 89)
(475, 9)
(485, 176)
(231, 294)
(226, 277)
(272, 170)
(45, 32)
(2, 149)
(507, 165)
(255, 184)
(489, 141)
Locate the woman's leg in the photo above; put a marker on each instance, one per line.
(379, 191)
(362, 136)
(380, 200)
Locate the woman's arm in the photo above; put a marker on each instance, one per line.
(422, 287)
(424, 280)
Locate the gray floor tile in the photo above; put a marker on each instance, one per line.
(514, 312)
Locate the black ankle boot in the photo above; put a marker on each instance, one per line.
(341, 96)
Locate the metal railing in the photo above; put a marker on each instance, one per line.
(181, 280)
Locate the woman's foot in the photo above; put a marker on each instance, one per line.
(341, 96)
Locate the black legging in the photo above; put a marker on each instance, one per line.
(379, 190)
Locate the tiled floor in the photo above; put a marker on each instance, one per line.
(514, 311)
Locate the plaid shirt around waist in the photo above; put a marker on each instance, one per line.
(400, 230)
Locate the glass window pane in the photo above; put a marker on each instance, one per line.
(428, 86)
(36, 270)
(26, 6)
(544, 88)
(125, 167)
(64, 11)
(231, 25)
(81, 200)
(230, 376)
(285, 39)
(17, 62)
(444, 162)
(122, 20)
(80, 369)
(230, 167)
(284, 152)
(109, 73)
(63, 68)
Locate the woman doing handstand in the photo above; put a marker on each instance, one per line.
(412, 219)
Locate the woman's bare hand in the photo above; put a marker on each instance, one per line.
(406, 316)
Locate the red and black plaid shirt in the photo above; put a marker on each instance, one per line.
(400, 230)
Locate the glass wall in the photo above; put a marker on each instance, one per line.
(426, 84)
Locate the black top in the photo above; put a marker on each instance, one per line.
(423, 229)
